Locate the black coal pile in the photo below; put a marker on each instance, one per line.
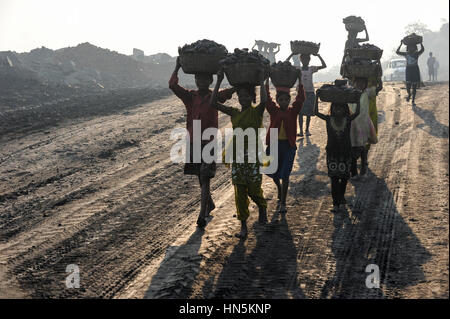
(353, 19)
(203, 46)
(244, 56)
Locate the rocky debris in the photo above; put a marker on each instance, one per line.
(86, 65)
(244, 56)
(283, 74)
(304, 47)
(353, 23)
(353, 19)
(412, 39)
(203, 46)
(338, 92)
(280, 64)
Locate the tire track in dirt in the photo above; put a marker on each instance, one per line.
(113, 211)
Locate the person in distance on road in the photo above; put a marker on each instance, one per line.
(412, 68)
(307, 80)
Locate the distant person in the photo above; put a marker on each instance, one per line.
(352, 42)
(296, 60)
(270, 52)
(261, 47)
(430, 63)
(412, 68)
(436, 68)
(198, 107)
(307, 80)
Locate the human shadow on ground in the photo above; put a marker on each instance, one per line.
(268, 271)
(373, 232)
(431, 125)
(178, 270)
(309, 186)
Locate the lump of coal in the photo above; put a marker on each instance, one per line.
(203, 46)
(353, 19)
(244, 56)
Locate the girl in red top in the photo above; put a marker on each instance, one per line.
(284, 118)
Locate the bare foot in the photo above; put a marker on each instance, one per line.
(210, 207)
(262, 216)
(243, 233)
(201, 222)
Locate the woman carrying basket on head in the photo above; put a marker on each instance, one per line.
(412, 68)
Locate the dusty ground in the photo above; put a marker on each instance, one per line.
(101, 192)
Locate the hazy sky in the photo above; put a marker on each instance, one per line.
(162, 26)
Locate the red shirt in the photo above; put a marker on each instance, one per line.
(288, 117)
(198, 107)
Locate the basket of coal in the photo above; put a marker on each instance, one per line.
(284, 74)
(353, 23)
(244, 67)
(202, 56)
(366, 51)
(361, 69)
(338, 93)
(412, 39)
(304, 47)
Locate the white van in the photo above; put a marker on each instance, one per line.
(395, 70)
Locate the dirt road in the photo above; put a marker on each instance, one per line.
(101, 193)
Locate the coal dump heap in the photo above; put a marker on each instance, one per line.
(43, 87)
(85, 65)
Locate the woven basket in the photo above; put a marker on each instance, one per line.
(193, 63)
(412, 39)
(303, 49)
(333, 94)
(354, 26)
(361, 70)
(244, 73)
(368, 54)
(284, 76)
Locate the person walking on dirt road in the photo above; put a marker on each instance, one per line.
(339, 148)
(412, 68)
(246, 176)
(197, 103)
(436, 68)
(284, 118)
(307, 80)
(430, 64)
(362, 130)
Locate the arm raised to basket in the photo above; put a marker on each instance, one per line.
(366, 38)
(225, 109)
(355, 115)
(422, 48)
(178, 90)
(262, 92)
(324, 65)
(301, 95)
(398, 50)
(271, 106)
(316, 109)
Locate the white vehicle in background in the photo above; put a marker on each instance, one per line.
(395, 70)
